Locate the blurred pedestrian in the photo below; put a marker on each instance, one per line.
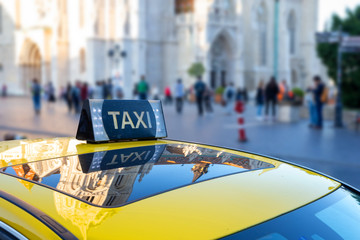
(245, 95)
(90, 92)
(62, 93)
(4, 90)
(319, 101)
(310, 103)
(155, 93)
(50, 93)
(208, 94)
(75, 95)
(103, 89)
(190, 94)
(199, 88)
(51, 90)
(271, 92)
(36, 94)
(239, 95)
(68, 97)
(108, 89)
(98, 90)
(229, 96)
(84, 92)
(260, 100)
(179, 95)
(168, 96)
(283, 91)
(118, 92)
(135, 92)
(142, 88)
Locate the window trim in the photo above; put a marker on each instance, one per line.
(12, 231)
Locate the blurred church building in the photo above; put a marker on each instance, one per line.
(238, 41)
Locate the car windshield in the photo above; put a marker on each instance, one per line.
(336, 216)
(117, 177)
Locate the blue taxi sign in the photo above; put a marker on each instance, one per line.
(113, 120)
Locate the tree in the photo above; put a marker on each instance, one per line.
(351, 61)
(196, 69)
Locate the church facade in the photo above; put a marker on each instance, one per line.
(237, 41)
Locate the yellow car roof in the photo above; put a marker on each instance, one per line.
(228, 190)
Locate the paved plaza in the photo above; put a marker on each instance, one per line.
(332, 151)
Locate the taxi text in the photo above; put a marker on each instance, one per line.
(126, 119)
(135, 156)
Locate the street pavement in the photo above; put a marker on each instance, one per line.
(332, 151)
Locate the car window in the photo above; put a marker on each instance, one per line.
(343, 217)
(8, 233)
(335, 216)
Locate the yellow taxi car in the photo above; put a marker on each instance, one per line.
(100, 186)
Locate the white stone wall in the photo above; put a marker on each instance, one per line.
(8, 73)
(158, 44)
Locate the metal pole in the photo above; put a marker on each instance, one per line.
(338, 107)
(276, 39)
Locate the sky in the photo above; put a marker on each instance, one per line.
(328, 7)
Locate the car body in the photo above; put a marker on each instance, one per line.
(64, 188)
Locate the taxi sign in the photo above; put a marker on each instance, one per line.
(112, 120)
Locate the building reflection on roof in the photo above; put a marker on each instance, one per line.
(117, 177)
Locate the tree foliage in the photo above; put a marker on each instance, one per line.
(196, 69)
(351, 61)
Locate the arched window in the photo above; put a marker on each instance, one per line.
(292, 32)
(82, 58)
(262, 34)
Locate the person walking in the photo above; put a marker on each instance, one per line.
(118, 92)
(36, 94)
(98, 90)
(84, 92)
(168, 97)
(239, 94)
(75, 95)
(155, 93)
(318, 99)
(68, 97)
(50, 92)
(271, 92)
(142, 88)
(199, 88)
(245, 95)
(179, 95)
(310, 103)
(260, 99)
(283, 91)
(108, 93)
(230, 97)
(4, 90)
